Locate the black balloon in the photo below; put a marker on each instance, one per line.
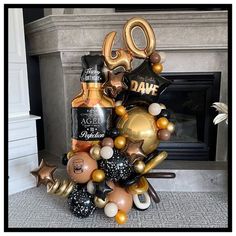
(64, 159)
(114, 132)
(133, 178)
(117, 167)
(164, 113)
(81, 202)
(102, 189)
(144, 85)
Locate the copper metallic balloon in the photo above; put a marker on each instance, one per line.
(140, 125)
(120, 142)
(170, 127)
(162, 123)
(155, 57)
(121, 198)
(122, 58)
(121, 217)
(98, 175)
(149, 36)
(164, 134)
(157, 68)
(80, 167)
(108, 142)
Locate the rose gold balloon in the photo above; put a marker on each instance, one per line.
(80, 167)
(123, 200)
(108, 142)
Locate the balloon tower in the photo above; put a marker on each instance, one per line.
(117, 125)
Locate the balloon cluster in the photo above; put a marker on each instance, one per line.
(113, 173)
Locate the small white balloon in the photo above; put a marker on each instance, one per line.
(118, 103)
(163, 57)
(90, 187)
(142, 205)
(111, 209)
(162, 106)
(154, 109)
(106, 152)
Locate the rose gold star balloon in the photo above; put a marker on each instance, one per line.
(44, 173)
(115, 84)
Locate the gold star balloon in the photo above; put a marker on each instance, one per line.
(115, 84)
(44, 173)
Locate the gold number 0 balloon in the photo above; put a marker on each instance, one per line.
(149, 35)
(122, 58)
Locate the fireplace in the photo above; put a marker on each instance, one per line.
(189, 98)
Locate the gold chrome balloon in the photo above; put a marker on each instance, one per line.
(120, 142)
(154, 162)
(95, 152)
(59, 188)
(121, 217)
(100, 203)
(98, 175)
(139, 166)
(70, 154)
(157, 68)
(171, 127)
(140, 125)
(149, 36)
(139, 187)
(122, 58)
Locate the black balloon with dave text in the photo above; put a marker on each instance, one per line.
(144, 85)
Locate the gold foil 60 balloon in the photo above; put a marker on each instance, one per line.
(122, 58)
(149, 35)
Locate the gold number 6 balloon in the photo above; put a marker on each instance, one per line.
(149, 36)
(122, 58)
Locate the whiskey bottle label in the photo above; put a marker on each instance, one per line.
(90, 123)
(92, 75)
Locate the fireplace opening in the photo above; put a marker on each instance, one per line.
(189, 98)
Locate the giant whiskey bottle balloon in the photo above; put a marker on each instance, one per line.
(91, 109)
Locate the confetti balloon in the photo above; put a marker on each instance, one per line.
(81, 203)
(117, 167)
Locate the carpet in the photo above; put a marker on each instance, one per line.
(35, 208)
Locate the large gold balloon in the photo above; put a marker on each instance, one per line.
(122, 58)
(140, 125)
(149, 35)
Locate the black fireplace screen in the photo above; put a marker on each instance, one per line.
(189, 98)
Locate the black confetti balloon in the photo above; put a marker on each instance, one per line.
(81, 202)
(117, 167)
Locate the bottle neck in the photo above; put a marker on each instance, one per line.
(91, 86)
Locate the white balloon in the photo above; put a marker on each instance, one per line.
(90, 187)
(118, 103)
(106, 152)
(142, 205)
(110, 209)
(163, 57)
(154, 109)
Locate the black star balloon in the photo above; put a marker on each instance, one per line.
(144, 85)
(102, 189)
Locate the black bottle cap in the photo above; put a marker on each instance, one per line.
(92, 68)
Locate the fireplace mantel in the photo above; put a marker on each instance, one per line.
(194, 41)
(174, 31)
